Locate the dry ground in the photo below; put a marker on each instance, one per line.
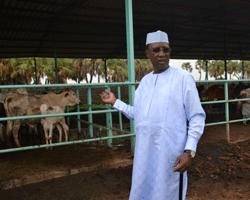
(219, 171)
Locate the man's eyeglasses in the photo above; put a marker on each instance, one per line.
(158, 49)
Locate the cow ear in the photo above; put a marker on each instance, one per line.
(67, 94)
(50, 108)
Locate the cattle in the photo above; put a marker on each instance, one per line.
(3, 123)
(51, 122)
(215, 93)
(239, 87)
(240, 105)
(2, 132)
(200, 88)
(3, 96)
(25, 105)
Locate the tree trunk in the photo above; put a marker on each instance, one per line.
(91, 77)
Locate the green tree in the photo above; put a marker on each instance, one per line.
(83, 67)
(246, 70)
(216, 69)
(142, 67)
(200, 65)
(100, 68)
(187, 66)
(117, 70)
(234, 68)
(16, 71)
(64, 67)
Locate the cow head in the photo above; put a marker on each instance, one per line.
(71, 98)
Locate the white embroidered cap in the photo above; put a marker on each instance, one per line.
(158, 36)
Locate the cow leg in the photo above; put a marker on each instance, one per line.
(66, 131)
(60, 132)
(239, 107)
(208, 108)
(8, 133)
(46, 135)
(65, 128)
(2, 129)
(50, 135)
(16, 127)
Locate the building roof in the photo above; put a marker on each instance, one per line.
(207, 29)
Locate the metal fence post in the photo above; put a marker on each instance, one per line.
(120, 114)
(109, 123)
(227, 111)
(68, 122)
(78, 116)
(89, 102)
(131, 67)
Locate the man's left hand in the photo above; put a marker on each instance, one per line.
(184, 162)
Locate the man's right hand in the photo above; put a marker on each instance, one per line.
(108, 97)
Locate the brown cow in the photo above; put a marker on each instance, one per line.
(24, 105)
(216, 92)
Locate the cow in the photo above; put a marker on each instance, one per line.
(3, 124)
(200, 88)
(239, 87)
(243, 95)
(216, 92)
(25, 105)
(51, 122)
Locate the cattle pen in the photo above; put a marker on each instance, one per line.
(113, 29)
(108, 111)
(120, 31)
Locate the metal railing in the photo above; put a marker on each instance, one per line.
(226, 101)
(77, 87)
(108, 111)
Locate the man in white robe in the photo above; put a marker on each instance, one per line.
(164, 101)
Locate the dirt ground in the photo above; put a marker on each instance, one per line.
(220, 170)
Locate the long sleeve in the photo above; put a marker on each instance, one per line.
(194, 112)
(126, 109)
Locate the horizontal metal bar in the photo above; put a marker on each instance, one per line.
(83, 85)
(223, 81)
(57, 115)
(100, 126)
(63, 143)
(100, 85)
(226, 122)
(91, 105)
(225, 101)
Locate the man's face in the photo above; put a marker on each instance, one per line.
(159, 54)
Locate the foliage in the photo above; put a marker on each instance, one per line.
(16, 71)
(200, 65)
(216, 68)
(22, 70)
(117, 70)
(64, 68)
(142, 67)
(85, 67)
(187, 66)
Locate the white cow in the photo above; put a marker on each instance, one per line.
(25, 105)
(50, 122)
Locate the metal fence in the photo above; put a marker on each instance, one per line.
(77, 87)
(108, 111)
